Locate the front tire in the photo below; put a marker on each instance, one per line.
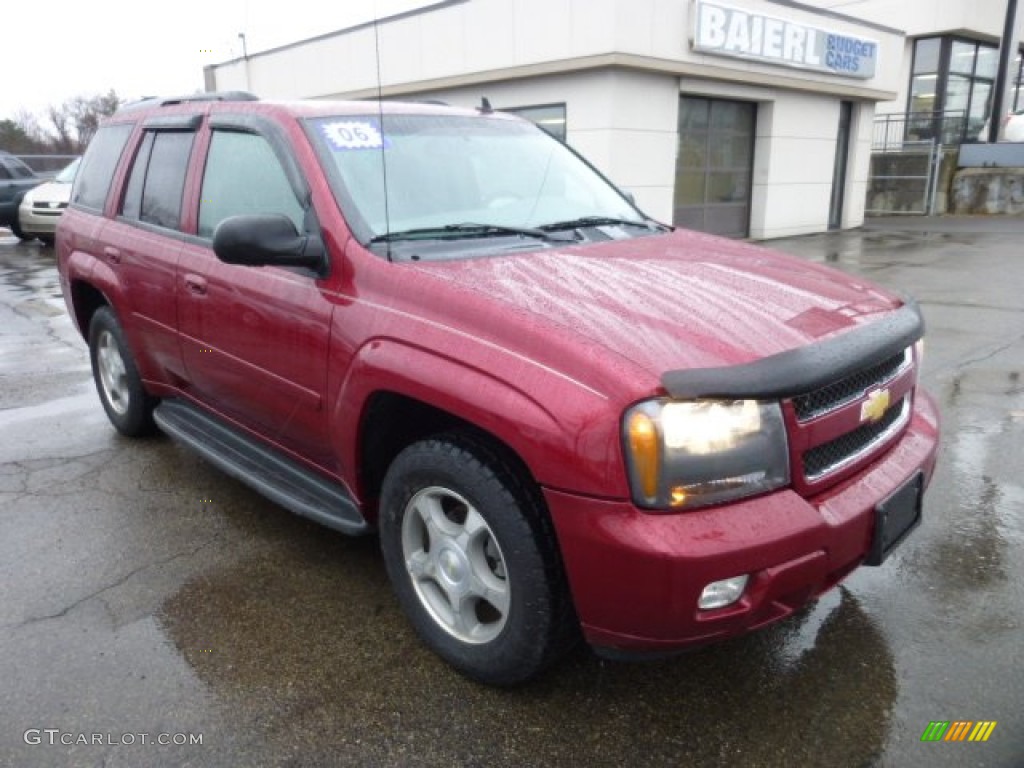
(117, 379)
(17, 231)
(473, 560)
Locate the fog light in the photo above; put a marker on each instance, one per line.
(719, 594)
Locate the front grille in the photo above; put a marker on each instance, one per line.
(834, 454)
(45, 206)
(839, 393)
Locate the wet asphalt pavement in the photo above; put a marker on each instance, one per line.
(144, 592)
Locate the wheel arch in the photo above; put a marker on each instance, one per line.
(392, 421)
(561, 434)
(86, 299)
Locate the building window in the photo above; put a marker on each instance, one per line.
(954, 76)
(549, 118)
(1017, 83)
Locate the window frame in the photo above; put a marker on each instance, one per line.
(154, 128)
(943, 76)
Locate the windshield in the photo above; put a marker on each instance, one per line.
(67, 176)
(445, 172)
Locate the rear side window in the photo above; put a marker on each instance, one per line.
(4, 173)
(243, 175)
(157, 179)
(93, 181)
(131, 206)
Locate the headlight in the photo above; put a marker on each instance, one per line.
(682, 455)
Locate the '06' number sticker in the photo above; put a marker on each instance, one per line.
(353, 134)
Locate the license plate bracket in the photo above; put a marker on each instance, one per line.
(895, 518)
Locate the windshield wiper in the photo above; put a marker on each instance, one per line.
(468, 229)
(596, 221)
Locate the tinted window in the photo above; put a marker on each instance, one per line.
(4, 173)
(165, 179)
(132, 205)
(243, 175)
(97, 171)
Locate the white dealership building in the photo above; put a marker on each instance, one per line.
(740, 117)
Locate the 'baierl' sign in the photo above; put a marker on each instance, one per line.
(727, 31)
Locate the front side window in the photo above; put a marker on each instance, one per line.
(244, 176)
(451, 171)
(97, 170)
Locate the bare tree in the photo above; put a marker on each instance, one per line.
(87, 112)
(22, 135)
(69, 126)
(60, 119)
(29, 124)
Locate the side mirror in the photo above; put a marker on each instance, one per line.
(257, 240)
(628, 195)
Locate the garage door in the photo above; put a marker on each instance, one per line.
(713, 165)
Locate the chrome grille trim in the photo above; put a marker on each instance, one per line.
(838, 394)
(894, 428)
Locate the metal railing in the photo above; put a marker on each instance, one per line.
(905, 181)
(895, 133)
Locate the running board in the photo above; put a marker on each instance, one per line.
(274, 475)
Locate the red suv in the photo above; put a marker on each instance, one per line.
(446, 327)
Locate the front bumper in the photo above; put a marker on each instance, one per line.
(35, 221)
(636, 576)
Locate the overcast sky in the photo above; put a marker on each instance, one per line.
(57, 49)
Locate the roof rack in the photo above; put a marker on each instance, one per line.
(212, 96)
(156, 101)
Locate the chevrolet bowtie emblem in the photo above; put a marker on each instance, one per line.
(875, 406)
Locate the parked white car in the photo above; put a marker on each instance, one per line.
(42, 206)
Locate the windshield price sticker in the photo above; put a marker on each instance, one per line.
(353, 134)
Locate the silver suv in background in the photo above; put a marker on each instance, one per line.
(16, 179)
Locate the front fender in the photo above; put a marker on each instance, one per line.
(565, 434)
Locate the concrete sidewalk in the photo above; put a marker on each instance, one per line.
(975, 224)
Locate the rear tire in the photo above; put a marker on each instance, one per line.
(474, 562)
(128, 406)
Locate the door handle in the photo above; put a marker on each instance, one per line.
(196, 284)
(113, 255)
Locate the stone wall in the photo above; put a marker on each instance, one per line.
(988, 190)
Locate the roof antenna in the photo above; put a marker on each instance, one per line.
(485, 106)
(380, 117)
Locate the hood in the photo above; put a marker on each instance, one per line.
(49, 192)
(670, 302)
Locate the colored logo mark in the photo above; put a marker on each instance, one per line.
(874, 408)
(958, 730)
